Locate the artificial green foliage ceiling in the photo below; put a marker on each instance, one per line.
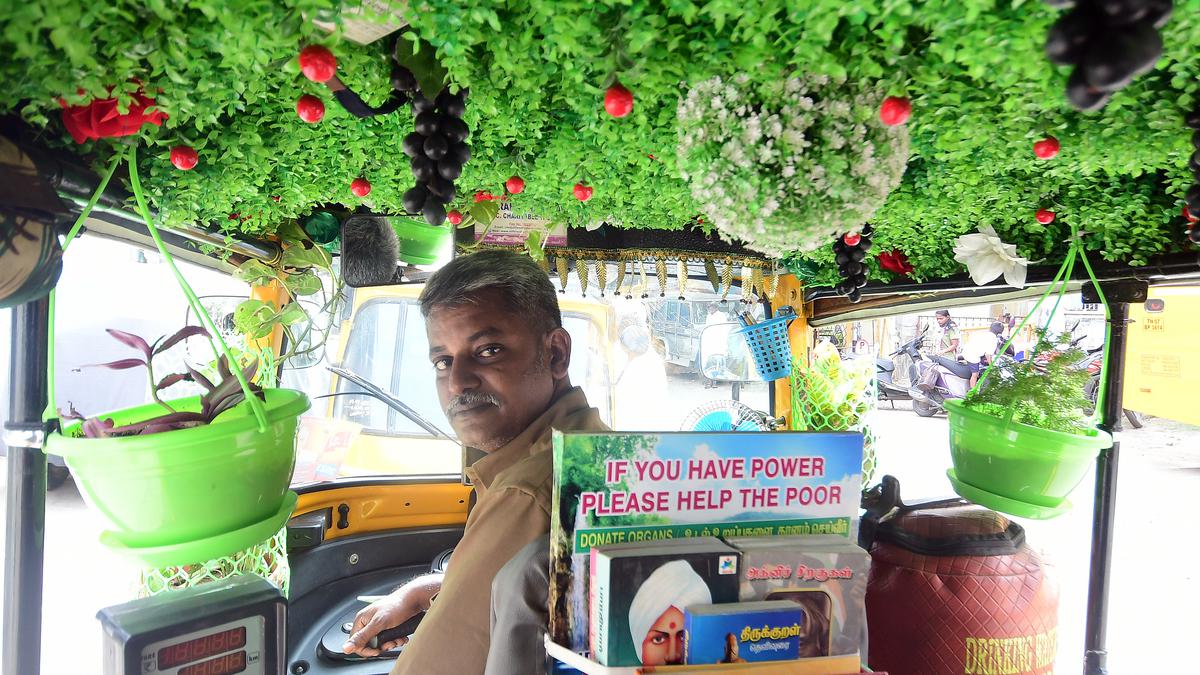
(981, 88)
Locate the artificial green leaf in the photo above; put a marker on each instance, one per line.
(422, 61)
(291, 314)
(485, 212)
(254, 273)
(254, 318)
(304, 283)
(306, 255)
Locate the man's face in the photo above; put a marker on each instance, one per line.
(942, 319)
(495, 373)
(663, 644)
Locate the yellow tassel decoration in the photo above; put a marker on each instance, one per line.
(564, 271)
(581, 271)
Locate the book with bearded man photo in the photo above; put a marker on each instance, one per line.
(641, 593)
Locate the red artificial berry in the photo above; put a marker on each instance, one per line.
(233, 216)
(852, 239)
(276, 197)
(1188, 214)
(1047, 148)
(361, 187)
(895, 110)
(184, 158)
(618, 100)
(1045, 217)
(317, 63)
(455, 217)
(310, 108)
(515, 185)
(582, 192)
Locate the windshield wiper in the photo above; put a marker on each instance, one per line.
(391, 401)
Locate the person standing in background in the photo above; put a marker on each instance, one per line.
(949, 336)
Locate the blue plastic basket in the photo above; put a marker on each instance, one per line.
(772, 350)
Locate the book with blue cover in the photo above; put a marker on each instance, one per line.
(743, 632)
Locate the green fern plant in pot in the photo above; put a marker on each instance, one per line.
(1020, 441)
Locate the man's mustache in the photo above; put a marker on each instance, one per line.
(468, 400)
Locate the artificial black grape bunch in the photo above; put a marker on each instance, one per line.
(438, 148)
(850, 254)
(1110, 42)
(1191, 212)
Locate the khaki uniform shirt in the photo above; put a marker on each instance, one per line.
(513, 486)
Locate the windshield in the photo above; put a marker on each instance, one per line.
(653, 386)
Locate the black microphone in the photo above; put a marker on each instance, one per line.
(370, 251)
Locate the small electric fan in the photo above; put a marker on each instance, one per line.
(725, 416)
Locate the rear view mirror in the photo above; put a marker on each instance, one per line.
(724, 354)
(382, 250)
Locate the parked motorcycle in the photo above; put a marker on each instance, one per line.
(1092, 363)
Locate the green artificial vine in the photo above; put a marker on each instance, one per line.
(982, 92)
(306, 273)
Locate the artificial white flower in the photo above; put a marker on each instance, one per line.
(987, 257)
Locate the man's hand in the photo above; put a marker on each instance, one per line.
(389, 612)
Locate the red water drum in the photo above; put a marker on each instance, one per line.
(954, 590)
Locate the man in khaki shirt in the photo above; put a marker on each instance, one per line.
(501, 355)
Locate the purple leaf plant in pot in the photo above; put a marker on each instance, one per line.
(217, 398)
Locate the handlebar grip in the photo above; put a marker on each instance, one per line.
(403, 630)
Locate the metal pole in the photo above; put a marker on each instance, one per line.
(1105, 506)
(24, 544)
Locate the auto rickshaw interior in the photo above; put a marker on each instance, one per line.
(680, 171)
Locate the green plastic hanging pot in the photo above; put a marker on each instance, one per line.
(1018, 462)
(422, 243)
(190, 484)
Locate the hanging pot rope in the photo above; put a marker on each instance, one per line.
(620, 275)
(681, 275)
(51, 411)
(602, 275)
(660, 269)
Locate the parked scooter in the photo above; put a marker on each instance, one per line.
(885, 370)
(952, 382)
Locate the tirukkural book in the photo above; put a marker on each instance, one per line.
(641, 592)
(743, 632)
(618, 488)
(829, 580)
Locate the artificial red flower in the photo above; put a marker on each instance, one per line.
(101, 119)
(895, 261)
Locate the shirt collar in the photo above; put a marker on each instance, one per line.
(569, 413)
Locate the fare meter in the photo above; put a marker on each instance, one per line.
(236, 625)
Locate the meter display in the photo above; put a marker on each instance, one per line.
(224, 628)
